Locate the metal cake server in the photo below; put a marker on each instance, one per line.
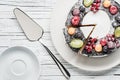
(34, 32)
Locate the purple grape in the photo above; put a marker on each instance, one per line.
(76, 12)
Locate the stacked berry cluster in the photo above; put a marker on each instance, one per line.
(95, 6)
(90, 45)
(104, 45)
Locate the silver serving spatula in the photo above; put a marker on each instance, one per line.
(34, 32)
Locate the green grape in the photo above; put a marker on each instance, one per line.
(76, 43)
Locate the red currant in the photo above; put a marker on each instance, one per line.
(89, 43)
(98, 5)
(97, 8)
(86, 47)
(98, 1)
(89, 49)
(92, 8)
(93, 46)
(94, 5)
(103, 42)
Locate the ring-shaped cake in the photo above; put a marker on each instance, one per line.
(82, 33)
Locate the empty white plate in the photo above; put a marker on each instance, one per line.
(19, 63)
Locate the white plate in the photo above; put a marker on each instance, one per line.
(19, 63)
(59, 17)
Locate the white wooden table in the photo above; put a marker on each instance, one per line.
(12, 35)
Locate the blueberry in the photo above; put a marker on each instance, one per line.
(105, 49)
(117, 18)
(82, 9)
(78, 35)
(114, 24)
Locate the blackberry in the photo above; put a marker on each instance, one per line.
(82, 9)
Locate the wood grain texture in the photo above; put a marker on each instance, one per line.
(12, 35)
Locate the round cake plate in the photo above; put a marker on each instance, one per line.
(19, 63)
(58, 20)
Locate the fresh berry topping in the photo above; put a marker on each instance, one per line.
(71, 31)
(98, 5)
(117, 18)
(106, 3)
(115, 24)
(92, 8)
(93, 46)
(113, 39)
(76, 12)
(117, 43)
(78, 35)
(109, 39)
(97, 1)
(89, 49)
(103, 42)
(95, 6)
(75, 20)
(111, 44)
(93, 40)
(86, 47)
(113, 9)
(89, 43)
(98, 48)
(105, 49)
(109, 35)
(82, 9)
